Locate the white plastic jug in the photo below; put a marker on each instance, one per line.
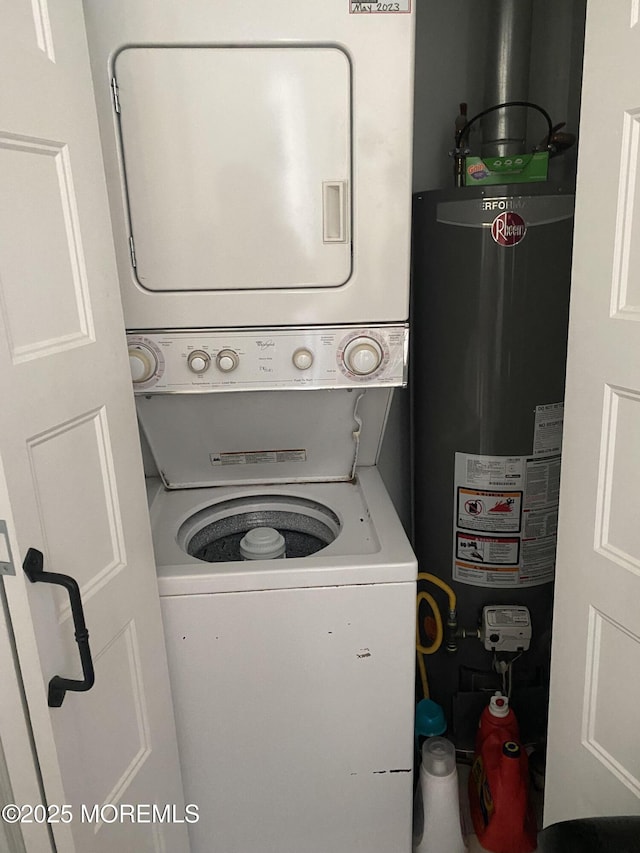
(436, 819)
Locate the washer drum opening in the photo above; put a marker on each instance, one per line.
(213, 534)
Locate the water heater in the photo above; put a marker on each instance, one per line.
(491, 276)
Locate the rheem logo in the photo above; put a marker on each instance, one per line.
(508, 228)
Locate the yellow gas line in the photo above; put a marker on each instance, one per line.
(437, 642)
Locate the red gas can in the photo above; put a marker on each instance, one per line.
(503, 819)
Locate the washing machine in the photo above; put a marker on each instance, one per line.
(292, 676)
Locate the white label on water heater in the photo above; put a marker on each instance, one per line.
(547, 429)
(505, 519)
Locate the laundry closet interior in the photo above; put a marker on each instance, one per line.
(314, 448)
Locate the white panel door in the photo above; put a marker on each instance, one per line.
(594, 744)
(68, 445)
(237, 164)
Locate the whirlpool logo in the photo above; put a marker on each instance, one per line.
(508, 228)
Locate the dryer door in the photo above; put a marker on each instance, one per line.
(237, 165)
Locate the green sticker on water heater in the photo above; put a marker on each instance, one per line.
(515, 169)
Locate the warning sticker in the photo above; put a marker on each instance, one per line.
(489, 471)
(488, 549)
(257, 457)
(537, 556)
(506, 518)
(356, 7)
(543, 482)
(547, 429)
(489, 510)
(494, 576)
(539, 523)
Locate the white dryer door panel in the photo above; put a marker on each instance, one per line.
(237, 166)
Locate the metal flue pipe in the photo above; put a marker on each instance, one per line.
(509, 24)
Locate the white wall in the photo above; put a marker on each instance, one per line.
(556, 70)
(448, 54)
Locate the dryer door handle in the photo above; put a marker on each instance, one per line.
(58, 686)
(334, 211)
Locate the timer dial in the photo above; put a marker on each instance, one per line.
(143, 363)
(227, 360)
(198, 361)
(363, 355)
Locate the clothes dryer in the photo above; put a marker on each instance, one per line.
(258, 159)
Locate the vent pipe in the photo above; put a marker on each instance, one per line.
(509, 24)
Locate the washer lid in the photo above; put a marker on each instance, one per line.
(262, 436)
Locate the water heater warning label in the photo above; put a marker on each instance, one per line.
(547, 430)
(505, 518)
(489, 510)
(483, 550)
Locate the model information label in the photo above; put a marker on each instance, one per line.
(358, 8)
(258, 457)
(506, 513)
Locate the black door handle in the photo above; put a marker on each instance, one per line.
(58, 685)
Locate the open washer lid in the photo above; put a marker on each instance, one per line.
(202, 440)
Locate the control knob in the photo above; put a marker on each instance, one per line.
(143, 363)
(198, 361)
(227, 360)
(363, 355)
(302, 358)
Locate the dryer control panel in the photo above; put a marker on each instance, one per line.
(266, 359)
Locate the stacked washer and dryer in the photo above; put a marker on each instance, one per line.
(258, 162)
